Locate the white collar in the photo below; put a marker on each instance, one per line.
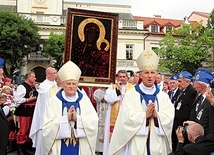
(147, 90)
(70, 98)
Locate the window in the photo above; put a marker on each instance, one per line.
(129, 52)
(154, 28)
(154, 48)
(168, 28)
(39, 16)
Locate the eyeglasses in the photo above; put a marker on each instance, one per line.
(53, 73)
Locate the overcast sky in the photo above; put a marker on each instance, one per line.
(173, 9)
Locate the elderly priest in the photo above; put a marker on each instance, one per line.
(70, 122)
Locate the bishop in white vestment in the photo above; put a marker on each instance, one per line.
(70, 122)
(144, 123)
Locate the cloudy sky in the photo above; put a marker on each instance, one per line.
(174, 9)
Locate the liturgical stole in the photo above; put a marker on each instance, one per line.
(115, 109)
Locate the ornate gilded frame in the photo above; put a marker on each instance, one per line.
(108, 33)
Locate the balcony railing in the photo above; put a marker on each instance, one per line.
(37, 56)
(46, 19)
(126, 63)
(131, 24)
(50, 19)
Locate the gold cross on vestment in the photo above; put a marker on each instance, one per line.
(148, 54)
(71, 140)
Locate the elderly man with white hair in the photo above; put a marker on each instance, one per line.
(204, 112)
(70, 122)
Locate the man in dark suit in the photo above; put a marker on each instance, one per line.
(195, 106)
(200, 145)
(202, 111)
(175, 91)
(183, 104)
(4, 125)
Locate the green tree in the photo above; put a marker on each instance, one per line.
(18, 36)
(185, 48)
(210, 22)
(55, 48)
(210, 31)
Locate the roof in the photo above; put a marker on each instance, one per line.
(194, 24)
(160, 21)
(203, 14)
(10, 8)
(163, 22)
(125, 16)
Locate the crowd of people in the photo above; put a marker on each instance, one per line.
(143, 114)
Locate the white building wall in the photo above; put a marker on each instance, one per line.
(153, 41)
(140, 25)
(137, 41)
(8, 2)
(54, 7)
(99, 7)
(24, 6)
(138, 49)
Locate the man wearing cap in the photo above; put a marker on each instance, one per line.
(114, 97)
(183, 103)
(4, 129)
(204, 112)
(70, 122)
(146, 117)
(199, 98)
(175, 91)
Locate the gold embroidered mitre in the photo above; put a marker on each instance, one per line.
(148, 59)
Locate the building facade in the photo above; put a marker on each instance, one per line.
(200, 17)
(51, 17)
(135, 33)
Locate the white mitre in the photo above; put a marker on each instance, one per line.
(148, 59)
(69, 71)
